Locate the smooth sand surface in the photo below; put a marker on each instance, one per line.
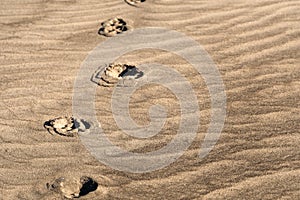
(256, 47)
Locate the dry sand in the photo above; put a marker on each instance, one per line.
(256, 47)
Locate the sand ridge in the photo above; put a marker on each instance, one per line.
(255, 45)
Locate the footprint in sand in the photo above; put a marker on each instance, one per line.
(73, 187)
(114, 73)
(113, 27)
(134, 2)
(66, 126)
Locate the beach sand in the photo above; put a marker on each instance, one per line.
(255, 46)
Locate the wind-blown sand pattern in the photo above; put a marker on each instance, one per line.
(256, 47)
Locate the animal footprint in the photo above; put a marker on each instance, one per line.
(113, 27)
(134, 2)
(115, 72)
(64, 126)
(73, 187)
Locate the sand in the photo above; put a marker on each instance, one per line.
(256, 47)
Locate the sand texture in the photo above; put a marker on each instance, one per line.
(256, 47)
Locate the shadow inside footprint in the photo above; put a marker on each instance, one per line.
(132, 72)
(82, 125)
(134, 2)
(88, 185)
(47, 124)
